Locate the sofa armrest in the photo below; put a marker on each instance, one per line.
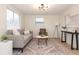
(18, 40)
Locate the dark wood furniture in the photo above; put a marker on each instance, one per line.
(72, 37)
(43, 32)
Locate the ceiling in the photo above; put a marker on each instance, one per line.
(33, 9)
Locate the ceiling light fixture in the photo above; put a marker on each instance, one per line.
(43, 7)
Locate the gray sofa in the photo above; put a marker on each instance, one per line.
(20, 41)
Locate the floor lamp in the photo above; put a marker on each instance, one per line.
(56, 31)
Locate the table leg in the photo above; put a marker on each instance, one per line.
(72, 42)
(76, 41)
(65, 37)
(61, 36)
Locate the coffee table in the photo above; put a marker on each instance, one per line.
(42, 38)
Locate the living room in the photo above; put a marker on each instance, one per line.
(55, 18)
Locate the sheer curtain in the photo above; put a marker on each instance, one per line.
(13, 21)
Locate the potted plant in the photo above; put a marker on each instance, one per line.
(4, 37)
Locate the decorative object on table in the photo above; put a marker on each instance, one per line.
(4, 37)
(77, 29)
(64, 27)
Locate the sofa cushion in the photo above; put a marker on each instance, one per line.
(16, 32)
(21, 31)
(9, 32)
(26, 32)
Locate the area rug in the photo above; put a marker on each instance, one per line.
(54, 47)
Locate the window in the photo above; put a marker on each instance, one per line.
(40, 21)
(13, 21)
(16, 21)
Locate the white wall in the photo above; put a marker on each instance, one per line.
(72, 16)
(3, 14)
(50, 22)
(72, 20)
(2, 19)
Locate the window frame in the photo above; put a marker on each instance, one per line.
(39, 23)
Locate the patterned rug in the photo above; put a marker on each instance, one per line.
(54, 47)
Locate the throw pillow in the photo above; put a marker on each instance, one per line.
(26, 32)
(9, 32)
(21, 31)
(15, 32)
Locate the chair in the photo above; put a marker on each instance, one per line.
(43, 32)
(43, 35)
